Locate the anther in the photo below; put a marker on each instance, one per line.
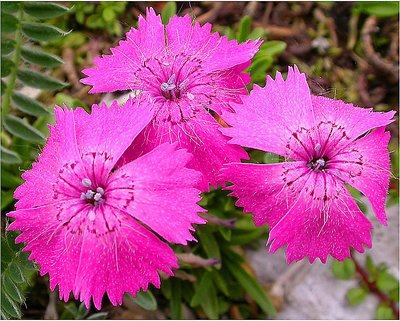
(97, 196)
(89, 194)
(317, 147)
(86, 182)
(100, 190)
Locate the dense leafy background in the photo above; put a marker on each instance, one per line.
(44, 46)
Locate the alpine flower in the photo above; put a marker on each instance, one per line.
(87, 222)
(326, 144)
(182, 71)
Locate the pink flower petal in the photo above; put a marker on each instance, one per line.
(60, 148)
(201, 137)
(365, 165)
(269, 116)
(91, 263)
(316, 228)
(161, 194)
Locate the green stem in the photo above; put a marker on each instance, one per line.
(13, 77)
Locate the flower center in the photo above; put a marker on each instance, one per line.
(173, 89)
(94, 196)
(318, 164)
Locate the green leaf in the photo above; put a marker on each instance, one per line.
(244, 29)
(98, 316)
(29, 105)
(206, 296)
(386, 282)
(3, 87)
(40, 58)
(272, 48)
(6, 66)
(108, 14)
(9, 6)
(42, 32)
(256, 33)
(8, 23)
(246, 237)
(8, 307)
(343, 270)
(38, 80)
(44, 10)
(9, 157)
(383, 312)
(15, 272)
(210, 244)
(6, 199)
(259, 67)
(19, 128)
(9, 180)
(7, 46)
(176, 300)
(356, 296)
(11, 289)
(381, 9)
(250, 285)
(168, 12)
(146, 300)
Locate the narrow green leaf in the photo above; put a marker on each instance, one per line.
(383, 312)
(386, 282)
(9, 157)
(15, 273)
(29, 105)
(7, 46)
(7, 253)
(8, 23)
(168, 12)
(38, 80)
(272, 48)
(244, 29)
(10, 180)
(6, 66)
(176, 300)
(3, 87)
(146, 300)
(42, 32)
(246, 237)
(381, 9)
(98, 316)
(41, 58)
(210, 244)
(356, 296)
(44, 10)
(206, 296)
(11, 289)
(343, 270)
(9, 6)
(9, 307)
(251, 286)
(19, 128)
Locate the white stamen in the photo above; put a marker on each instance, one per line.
(89, 194)
(83, 196)
(171, 79)
(320, 162)
(165, 63)
(190, 96)
(100, 190)
(164, 86)
(86, 182)
(97, 196)
(317, 147)
(183, 84)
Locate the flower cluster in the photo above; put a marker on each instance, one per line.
(107, 184)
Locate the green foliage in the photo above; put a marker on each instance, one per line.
(383, 312)
(343, 270)
(72, 312)
(168, 12)
(16, 272)
(356, 296)
(145, 299)
(378, 8)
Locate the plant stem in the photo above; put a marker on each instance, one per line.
(374, 289)
(5, 106)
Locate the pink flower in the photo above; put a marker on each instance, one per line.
(331, 143)
(83, 218)
(183, 70)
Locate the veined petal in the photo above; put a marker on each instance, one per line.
(326, 222)
(108, 130)
(161, 194)
(365, 165)
(269, 117)
(90, 263)
(216, 52)
(118, 71)
(61, 148)
(200, 136)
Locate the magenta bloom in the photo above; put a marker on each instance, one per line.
(305, 201)
(83, 218)
(181, 70)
